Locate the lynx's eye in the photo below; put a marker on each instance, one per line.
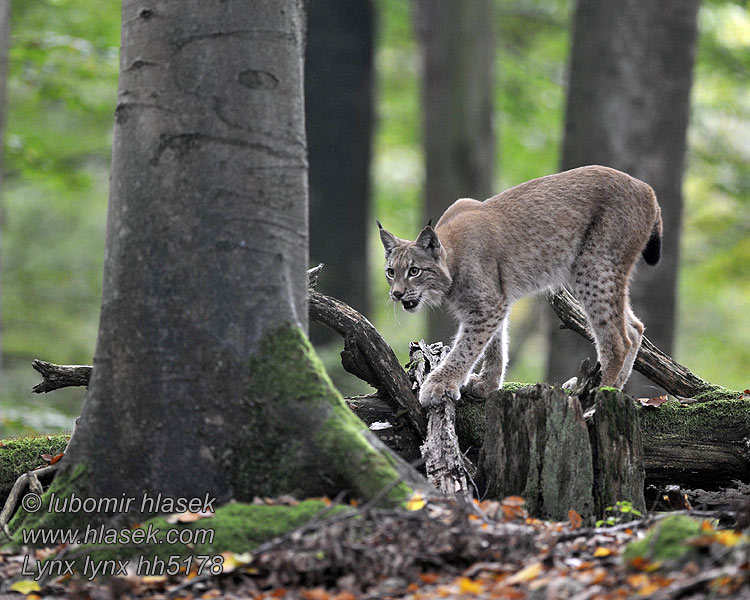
(414, 271)
(389, 273)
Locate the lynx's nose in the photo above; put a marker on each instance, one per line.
(397, 294)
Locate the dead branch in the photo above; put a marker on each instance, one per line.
(30, 481)
(366, 354)
(55, 376)
(444, 462)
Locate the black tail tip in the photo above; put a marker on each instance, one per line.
(652, 252)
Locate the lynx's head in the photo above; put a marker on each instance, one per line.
(416, 271)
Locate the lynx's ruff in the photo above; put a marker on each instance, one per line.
(583, 228)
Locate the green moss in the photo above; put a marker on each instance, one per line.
(665, 541)
(514, 386)
(717, 392)
(673, 418)
(235, 528)
(323, 441)
(19, 455)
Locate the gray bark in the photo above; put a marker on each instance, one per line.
(338, 112)
(457, 45)
(5, 14)
(536, 445)
(628, 102)
(206, 245)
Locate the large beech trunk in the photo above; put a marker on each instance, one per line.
(204, 383)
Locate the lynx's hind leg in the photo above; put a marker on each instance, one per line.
(603, 294)
(635, 333)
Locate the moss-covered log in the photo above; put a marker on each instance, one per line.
(701, 445)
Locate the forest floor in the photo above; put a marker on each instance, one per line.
(448, 549)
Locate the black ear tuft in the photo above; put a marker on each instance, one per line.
(429, 222)
(389, 240)
(379, 225)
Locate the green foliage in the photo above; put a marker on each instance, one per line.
(61, 96)
(622, 510)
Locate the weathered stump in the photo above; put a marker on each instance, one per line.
(537, 445)
(617, 451)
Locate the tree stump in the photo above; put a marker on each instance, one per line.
(536, 445)
(539, 446)
(617, 451)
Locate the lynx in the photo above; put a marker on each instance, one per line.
(582, 228)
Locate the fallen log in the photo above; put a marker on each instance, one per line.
(702, 445)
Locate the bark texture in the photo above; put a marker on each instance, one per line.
(617, 451)
(338, 113)
(536, 446)
(457, 44)
(202, 366)
(628, 102)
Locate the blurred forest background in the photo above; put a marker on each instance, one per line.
(61, 97)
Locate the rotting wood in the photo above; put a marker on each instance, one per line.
(55, 376)
(537, 446)
(444, 463)
(30, 481)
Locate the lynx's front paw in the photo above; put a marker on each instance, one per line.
(479, 387)
(435, 390)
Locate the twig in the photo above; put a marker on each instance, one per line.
(30, 479)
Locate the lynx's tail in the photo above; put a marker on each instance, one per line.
(652, 252)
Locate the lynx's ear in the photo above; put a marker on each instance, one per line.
(389, 240)
(428, 241)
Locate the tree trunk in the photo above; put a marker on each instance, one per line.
(458, 136)
(203, 379)
(628, 102)
(5, 14)
(338, 112)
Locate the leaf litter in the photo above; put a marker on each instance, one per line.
(448, 549)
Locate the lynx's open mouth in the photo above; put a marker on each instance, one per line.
(410, 305)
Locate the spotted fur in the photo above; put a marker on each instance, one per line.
(583, 228)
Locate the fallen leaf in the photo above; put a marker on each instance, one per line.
(25, 586)
(526, 574)
(188, 517)
(575, 519)
(469, 586)
(659, 400)
(601, 552)
(416, 502)
(315, 594)
(57, 457)
(429, 578)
